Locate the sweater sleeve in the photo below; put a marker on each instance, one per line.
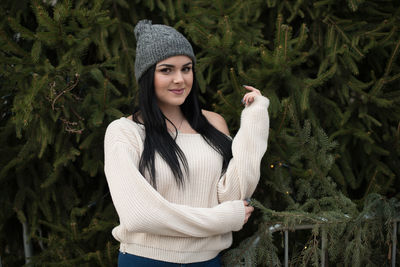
(142, 209)
(248, 148)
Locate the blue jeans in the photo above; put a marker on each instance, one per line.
(129, 260)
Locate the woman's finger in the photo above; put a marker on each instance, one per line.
(251, 88)
(248, 210)
(249, 98)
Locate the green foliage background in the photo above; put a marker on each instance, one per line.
(330, 68)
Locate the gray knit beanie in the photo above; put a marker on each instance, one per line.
(156, 43)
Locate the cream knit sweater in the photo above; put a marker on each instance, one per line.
(190, 224)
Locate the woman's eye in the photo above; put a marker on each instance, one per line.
(187, 69)
(165, 70)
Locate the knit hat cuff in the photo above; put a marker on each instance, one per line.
(156, 53)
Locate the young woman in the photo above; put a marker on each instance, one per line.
(177, 180)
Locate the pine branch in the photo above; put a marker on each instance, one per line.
(65, 90)
(124, 42)
(343, 34)
(392, 57)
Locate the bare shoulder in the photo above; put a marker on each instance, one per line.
(216, 120)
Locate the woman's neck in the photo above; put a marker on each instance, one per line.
(174, 114)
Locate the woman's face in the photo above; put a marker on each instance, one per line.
(173, 80)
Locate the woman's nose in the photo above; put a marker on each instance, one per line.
(178, 77)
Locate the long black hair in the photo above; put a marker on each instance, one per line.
(158, 139)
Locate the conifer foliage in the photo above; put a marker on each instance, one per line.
(330, 69)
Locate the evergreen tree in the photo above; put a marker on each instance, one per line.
(330, 69)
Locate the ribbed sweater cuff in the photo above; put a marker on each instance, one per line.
(260, 100)
(234, 214)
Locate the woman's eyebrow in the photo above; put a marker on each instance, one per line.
(173, 66)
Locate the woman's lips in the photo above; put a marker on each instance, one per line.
(177, 91)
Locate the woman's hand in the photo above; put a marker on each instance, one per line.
(248, 209)
(249, 97)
